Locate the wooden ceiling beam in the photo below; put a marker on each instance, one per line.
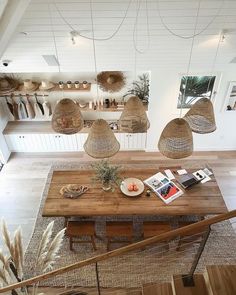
(12, 14)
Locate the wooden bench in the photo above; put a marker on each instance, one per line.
(119, 229)
(77, 229)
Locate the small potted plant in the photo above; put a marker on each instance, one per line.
(107, 174)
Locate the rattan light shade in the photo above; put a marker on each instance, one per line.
(67, 118)
(101, 141)
(201, 116)
(176, 140)
(134, 118)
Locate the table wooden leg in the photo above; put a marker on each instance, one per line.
(93, 243)
(66, 221)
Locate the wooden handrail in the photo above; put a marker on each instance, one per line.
(168, 235)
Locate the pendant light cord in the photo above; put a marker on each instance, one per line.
(190, 57)
(55, 43)
(216, 54)
(195, 34)
(94, 48)
(93, 38)
(135, 30)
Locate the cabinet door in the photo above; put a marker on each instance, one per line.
(18, 142)
(137, 141)
(81, 138)
(123, 139)
(59, 142)
(132, 141)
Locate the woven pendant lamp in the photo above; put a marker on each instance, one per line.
(176, 140)
(201, 116)
(67, 118)
(134, 118)
(101, 141)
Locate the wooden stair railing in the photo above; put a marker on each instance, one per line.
(139, 245)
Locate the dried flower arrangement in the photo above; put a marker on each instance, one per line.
(12, 264)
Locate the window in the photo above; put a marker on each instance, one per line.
(192, 88)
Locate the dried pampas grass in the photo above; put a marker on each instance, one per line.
(44, 241)
(49, 257)
(12, 266)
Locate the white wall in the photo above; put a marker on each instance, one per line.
(166, 58)
(4, 151)
(163, 104)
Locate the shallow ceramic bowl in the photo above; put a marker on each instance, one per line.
(126, 182)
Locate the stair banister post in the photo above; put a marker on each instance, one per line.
(188, 279)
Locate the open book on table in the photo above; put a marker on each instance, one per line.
(163, 187)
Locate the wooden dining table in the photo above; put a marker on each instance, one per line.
(201, 199)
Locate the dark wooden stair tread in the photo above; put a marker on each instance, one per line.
(221, 279)
(157, 289)
(199, 288)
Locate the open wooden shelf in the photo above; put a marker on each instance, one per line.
(104, 109)
(57, 88)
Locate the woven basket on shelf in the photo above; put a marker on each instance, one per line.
(176, 140)
(111, 81)
(101, 141)
(201, 116)
(67, 118)
(134, 118)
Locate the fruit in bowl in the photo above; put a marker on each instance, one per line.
(132, 187)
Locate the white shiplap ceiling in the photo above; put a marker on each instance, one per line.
(42, 17)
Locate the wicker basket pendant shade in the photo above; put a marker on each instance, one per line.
(134, 118)
(101, 141)
(201, 116)
(67, 118)
(176, 140)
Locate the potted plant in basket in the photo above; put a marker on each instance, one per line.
(107, 174)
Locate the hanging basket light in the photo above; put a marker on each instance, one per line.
(176, 140)
(134, 118)
(201, 116)
(101, 141)
(67, 118)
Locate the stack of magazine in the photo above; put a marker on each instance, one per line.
(163, 187)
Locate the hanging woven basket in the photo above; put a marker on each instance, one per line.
(176, 140)
(67, 118)
(101, 141)
(134, 118)
(111, 81)
(201, 116)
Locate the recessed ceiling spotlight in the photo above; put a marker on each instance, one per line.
(74, 34)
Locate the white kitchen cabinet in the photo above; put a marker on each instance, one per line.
(67, 143)
(132, 141)
(41, 142)
(18, 142)
(81, 138)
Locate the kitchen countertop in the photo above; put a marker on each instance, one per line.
(38, 127)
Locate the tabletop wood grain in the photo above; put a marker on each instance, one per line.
(201, 199)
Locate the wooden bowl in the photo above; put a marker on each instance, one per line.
(126, 182)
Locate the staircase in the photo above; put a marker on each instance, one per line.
(217, 280)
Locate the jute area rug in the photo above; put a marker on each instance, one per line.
(153, 264)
